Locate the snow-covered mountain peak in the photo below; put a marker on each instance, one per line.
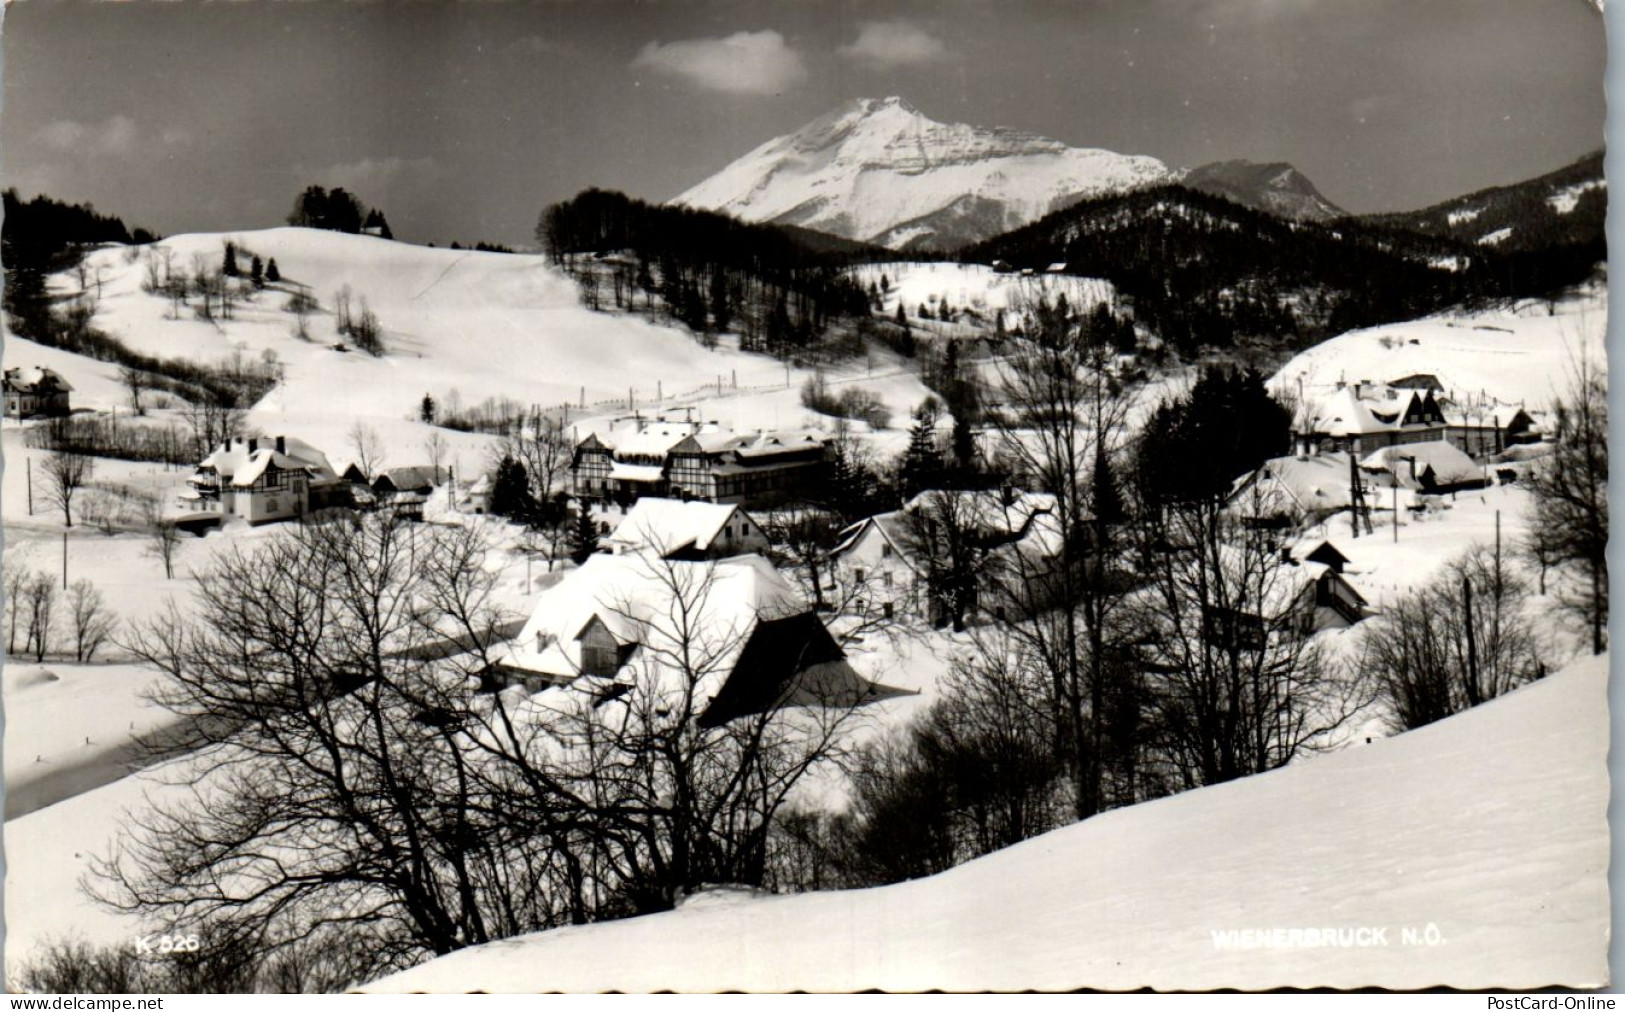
(881, 171)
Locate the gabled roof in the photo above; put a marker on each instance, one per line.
(1308, 484)
(1029, 514)
(640, 599)
(417, 477)
(1450, 465)
(1360, 409)
(36, 379)
(235, 462)
(670, 525)
(890, 527)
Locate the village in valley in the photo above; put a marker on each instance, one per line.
(369, 602)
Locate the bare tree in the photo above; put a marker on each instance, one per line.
(1571, 497)
(17, 579)
(540, 443)
(41, 599)
(92, 624)
(135, 382)
(212, 423)
(66, 472)
(1239, 684)
(380, 802)
(1060, 422)
(1460, 640)
(346, 760)
(437, 449)
(341, 310)
(164, 537)
(368, 448)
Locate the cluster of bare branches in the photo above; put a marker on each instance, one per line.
(1461, 640)
(354, 780)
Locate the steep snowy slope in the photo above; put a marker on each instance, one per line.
(477, 325)
(1472, 853)
(878, 170)
(1519, 355)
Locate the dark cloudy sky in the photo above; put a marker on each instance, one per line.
(462, 120)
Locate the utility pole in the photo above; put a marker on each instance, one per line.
(64, 560)
(30, 469)
(1396, 512)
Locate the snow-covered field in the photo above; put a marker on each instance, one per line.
(70, 728)
(1523, 355)
(459, 325)
(1488, 870)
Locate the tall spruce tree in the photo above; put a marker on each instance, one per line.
(921, 467)
(510, 491)
(583, 540)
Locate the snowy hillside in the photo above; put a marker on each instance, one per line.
(1521, 355)
(1473, 853)
(880, 171)
(462, 326)
(978, 288)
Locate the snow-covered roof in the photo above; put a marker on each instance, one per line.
(36, 379)
(889, 527)
(242, 460)
(647, 601)
(766, 444)
(1311, 484)
(667, 525)
(1450, 465)
(636, 472)
(994, 512)
(417, 476)
(655, 440)
(1357, 409)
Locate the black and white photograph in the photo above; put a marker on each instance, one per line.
(578, 496)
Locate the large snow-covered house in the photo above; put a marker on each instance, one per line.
(1361, 418)
(260, 479)
(1365, 417)
(1293, 491)
(675, 529)
(686, 459)
(1300, 593)
(906, 560)
(36, 392)
(873, 568)
(622, 623)
(1430, 468)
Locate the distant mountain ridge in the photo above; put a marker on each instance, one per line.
(1276, 187)
(1565, 207)
(879, 171)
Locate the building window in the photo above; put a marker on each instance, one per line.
(885, 551)
(885, 578)
(858, 574)
(600, 661)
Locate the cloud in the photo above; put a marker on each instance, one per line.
(373, 179)
(536, 45)
(117, 135)
(888, 44)
(744, 63)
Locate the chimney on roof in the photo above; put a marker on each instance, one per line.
(253, 444)
(281, 444)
